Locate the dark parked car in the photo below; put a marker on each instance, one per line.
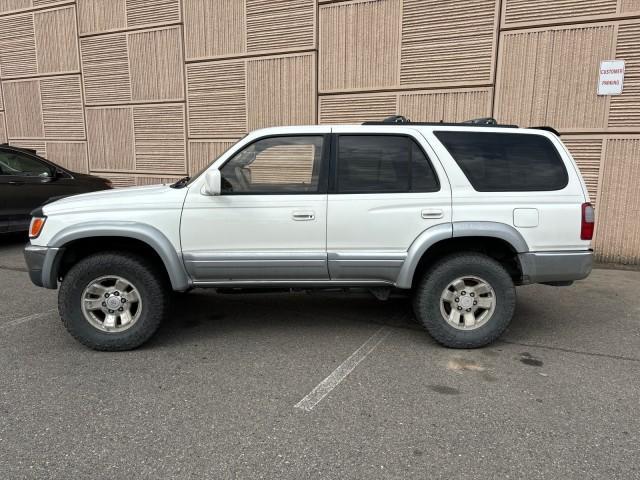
(27, 181)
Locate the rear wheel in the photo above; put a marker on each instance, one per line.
(113, 301)
(465, 301)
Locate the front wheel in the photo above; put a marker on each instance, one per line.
(465, 301)
(113, 301)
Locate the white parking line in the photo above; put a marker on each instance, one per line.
(344, 369)
(33, 316)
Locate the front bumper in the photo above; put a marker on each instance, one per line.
(555, 267)
(42, 265)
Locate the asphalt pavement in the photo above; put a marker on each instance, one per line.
(226, 389)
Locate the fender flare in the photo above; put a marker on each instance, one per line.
(153, 237)
(443, 231)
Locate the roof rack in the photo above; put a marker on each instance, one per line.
(476, 122)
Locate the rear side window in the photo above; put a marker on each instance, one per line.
(506, 162)
(383, 164)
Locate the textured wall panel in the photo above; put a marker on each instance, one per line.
(101, 15)
(155, 63)
(144, 180)
(1, 98)
(279, 24)
(447, 42)
(110, 138)
(217, 99)
(17, 46)
(159, 132)
(13, 5)
(23, 109)
(587, 153)
(357, 108)
(629, 6)
(552, 11)
(148, 12)
(624, 110)
(62, 111)
(447, 106)
(3, 128)
(105, 68)
(17, 5)
(71, 155)
(204, 152)
(359, 45)
(39, 146)
(549, 77)
(119, 181)
(618, 222)
(214, 27)
(56, 40)
(281, 91)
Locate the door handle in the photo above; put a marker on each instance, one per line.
(303, 216)
(432, 213)
(16, 182)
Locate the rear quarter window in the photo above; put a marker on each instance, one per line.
(506, 162)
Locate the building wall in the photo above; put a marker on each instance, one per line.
(144, 91)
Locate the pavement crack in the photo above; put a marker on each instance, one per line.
(13, 269)
(570, 350)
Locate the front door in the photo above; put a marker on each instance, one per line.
(25, 184)
(269, 223)
(387, 188)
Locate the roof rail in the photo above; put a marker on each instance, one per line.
(476, 122)
(547, 129)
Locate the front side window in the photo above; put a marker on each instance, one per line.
(383, 164)
(275, 165)
(17, 164)
(506, 162)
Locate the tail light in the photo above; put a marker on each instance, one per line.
(588, 221)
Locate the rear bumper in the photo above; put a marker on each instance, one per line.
(555, 267)
(41, 262)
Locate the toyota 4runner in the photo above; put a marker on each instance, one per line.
(455, 214)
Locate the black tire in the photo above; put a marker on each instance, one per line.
(152, 288)
(426, 299)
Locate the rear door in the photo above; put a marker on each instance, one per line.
(387, 188)
(521, 178)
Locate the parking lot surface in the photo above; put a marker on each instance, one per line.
(226, 389)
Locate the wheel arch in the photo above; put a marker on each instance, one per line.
(492, 237)
(146, 235)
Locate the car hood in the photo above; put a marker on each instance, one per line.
(150, 197)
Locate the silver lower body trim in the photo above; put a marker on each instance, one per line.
(543, 267)
(292, 283)
(232, 266)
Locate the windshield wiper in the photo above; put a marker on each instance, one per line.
(181, 183)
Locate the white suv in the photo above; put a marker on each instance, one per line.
(455, 214)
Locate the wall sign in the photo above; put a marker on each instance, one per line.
(611, 77)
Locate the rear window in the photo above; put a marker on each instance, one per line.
(506, 162)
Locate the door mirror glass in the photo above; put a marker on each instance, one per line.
(212, 182)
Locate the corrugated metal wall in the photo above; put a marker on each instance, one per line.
(148, 90)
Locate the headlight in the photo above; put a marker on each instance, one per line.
(36, 226)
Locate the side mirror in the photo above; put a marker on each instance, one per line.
(212, 182)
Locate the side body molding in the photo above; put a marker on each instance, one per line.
(153, 237)
(492, 229)
(420, 245)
